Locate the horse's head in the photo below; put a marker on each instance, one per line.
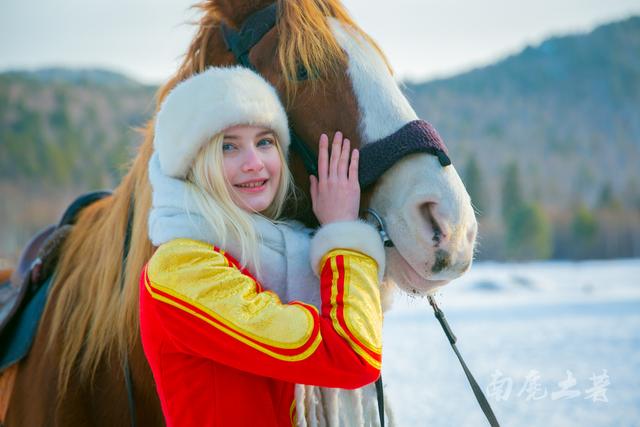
(333, 77)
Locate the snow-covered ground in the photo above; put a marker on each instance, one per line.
(550, 343)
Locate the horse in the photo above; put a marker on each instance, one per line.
(331, 75)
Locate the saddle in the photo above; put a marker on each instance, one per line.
(22, 299)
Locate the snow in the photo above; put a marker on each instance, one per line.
(559, 320)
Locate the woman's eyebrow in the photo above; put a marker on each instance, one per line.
(263, 133)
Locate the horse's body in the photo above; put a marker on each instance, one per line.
(73, 375)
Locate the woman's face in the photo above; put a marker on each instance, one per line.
(252, 166)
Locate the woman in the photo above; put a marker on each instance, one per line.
(223, 350)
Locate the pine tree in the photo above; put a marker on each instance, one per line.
(529, 233)
(584, 229)
(512, 199)
(474, 182)
(608, 199)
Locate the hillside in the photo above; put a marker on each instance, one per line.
(547, 141)
(567, 111)
(60, 127)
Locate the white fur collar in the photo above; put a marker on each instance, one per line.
(284, 249)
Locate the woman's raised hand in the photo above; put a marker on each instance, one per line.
(335, 193)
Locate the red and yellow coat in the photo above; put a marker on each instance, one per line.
(225, 352)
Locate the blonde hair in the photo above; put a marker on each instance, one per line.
(214, 202)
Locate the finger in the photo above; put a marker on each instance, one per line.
(323, 167)
(335, 154)
(353, 167)
(313, 189)
(344, 160)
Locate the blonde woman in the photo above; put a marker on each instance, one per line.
(225, 340)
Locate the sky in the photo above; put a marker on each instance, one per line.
(423, 39)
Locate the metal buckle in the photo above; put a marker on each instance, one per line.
(380, 226)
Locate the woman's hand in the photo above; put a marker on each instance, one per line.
(335, 193)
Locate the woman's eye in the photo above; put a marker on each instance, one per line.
(227, 147)
(265, 142)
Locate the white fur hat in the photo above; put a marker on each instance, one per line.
(207, 103)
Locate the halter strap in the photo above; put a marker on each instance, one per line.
(251, 32)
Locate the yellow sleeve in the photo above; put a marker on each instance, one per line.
(209, 306)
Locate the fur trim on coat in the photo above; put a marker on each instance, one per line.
(206, 104)
(354, 235)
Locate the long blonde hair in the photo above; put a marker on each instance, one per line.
(213, 201)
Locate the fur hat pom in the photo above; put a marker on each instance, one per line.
(206, 104)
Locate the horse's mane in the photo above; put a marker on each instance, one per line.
(94, 318)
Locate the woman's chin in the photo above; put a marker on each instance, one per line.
(254, 203)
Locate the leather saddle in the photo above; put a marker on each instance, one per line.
(22, 298)
(13, 292)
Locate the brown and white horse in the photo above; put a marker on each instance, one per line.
(73, 375)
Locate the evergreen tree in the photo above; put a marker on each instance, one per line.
(512, 199)
(607, 198)
(584, 229)
(528, 233)
(474, 182)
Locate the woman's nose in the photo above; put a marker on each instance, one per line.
(252, 161)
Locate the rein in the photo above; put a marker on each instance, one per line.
(126, 371)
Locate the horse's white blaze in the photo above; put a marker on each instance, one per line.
(383, 107)
(417, 263)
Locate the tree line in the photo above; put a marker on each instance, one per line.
(521, 227)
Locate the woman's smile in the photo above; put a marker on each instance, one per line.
(252, 166)
(254, 186)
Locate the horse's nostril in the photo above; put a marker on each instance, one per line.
(427, 211)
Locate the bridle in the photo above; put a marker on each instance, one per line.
(375, 159)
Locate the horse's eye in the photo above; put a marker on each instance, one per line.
(302, 73)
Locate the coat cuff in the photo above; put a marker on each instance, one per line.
(354, 235)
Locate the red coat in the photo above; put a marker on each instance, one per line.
(225, 352)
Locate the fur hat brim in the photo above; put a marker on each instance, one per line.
(206, 104)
